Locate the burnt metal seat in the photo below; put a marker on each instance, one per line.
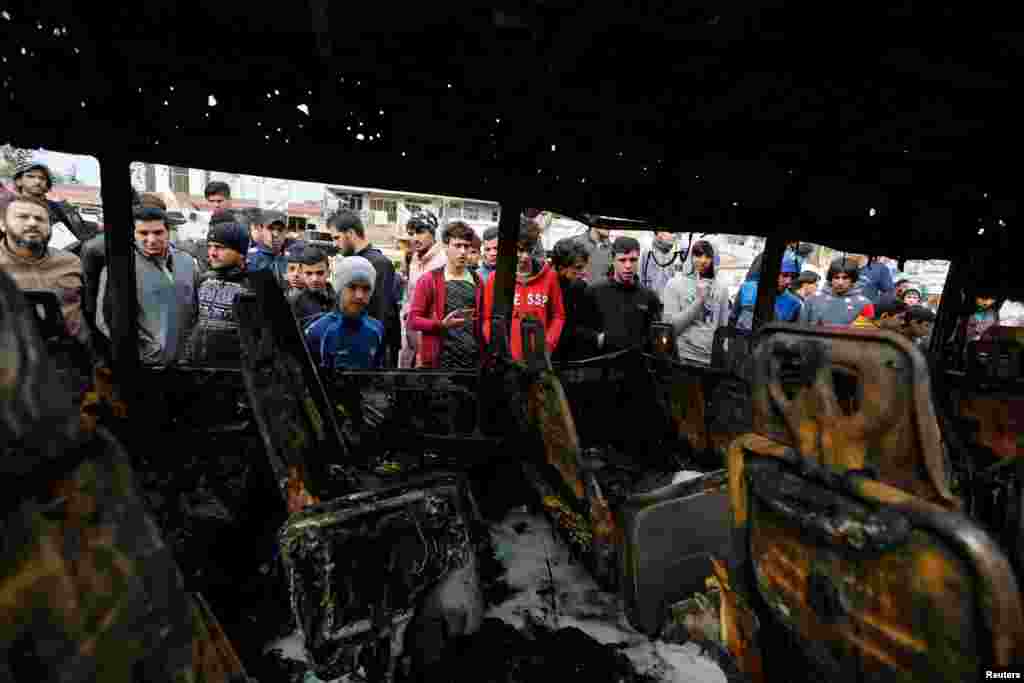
(848, 545)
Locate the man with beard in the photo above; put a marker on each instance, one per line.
(267, 230)
(166, 279)
(578, 341)
(27, 257)
(427, 255)
(659, 263)
(350, 236)
(215, 339)
(35, 180)
(599, 249)
(318, 296)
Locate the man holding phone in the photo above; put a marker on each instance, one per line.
(445, 307)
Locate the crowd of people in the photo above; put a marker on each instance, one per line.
(358, 309)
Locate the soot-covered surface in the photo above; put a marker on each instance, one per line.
(554, 624)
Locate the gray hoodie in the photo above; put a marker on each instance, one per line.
(695, 323)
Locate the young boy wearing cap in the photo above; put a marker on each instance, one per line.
(806, 285)
(348, 338)
(296, 285)
(787, 304)
(318, 295)
(215, 340)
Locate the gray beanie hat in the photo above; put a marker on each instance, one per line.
(354, 269)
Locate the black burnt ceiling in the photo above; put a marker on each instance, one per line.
(799, 118)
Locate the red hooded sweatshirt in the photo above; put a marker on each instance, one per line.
(540, 297)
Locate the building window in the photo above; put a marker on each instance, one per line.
(494, 215)
(471, 213)
(150, 178)
(179, 179)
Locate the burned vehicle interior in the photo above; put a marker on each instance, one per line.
(833, 504)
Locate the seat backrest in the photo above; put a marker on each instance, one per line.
(295, 416)
(846, 538)
(851, 399)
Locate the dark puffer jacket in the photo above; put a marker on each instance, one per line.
(215, 340)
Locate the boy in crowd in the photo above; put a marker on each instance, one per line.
(446, 307)
(787, 304)
(474, 252)
(348, 338)
(570, 260)
(891, 316)
(919, 321)
(806, 285)
(489, 253)
(318, 296)
(215, 339)
(623, 309)
(538, 295)
(840, 305)
(296, 285)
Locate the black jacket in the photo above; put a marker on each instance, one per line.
(579, 339)
(310, 304)
(623, 313)
(215, 339)
(383, 305)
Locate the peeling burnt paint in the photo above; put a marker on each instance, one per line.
(359, 567)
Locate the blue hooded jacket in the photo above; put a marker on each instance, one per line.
(337, 342)
(787, 304)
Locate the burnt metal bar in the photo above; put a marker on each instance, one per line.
(505, 275)
(119, 244)
(771, 264)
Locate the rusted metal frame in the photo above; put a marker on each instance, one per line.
(1004, 620)
(950, 305)
(771, 264)
(120, 259)
(505, 276)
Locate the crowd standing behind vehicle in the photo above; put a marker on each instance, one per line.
(593, 296)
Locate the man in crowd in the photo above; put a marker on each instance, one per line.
(787, 304)
(318, 296)
(919, 322)
(578, 340)
(474, 252)
(351, 239)
(896, 294)
(624, 309)
(489, 249)
(806, 285)
(26, 256)
(660, 262)
(427, 255)
(218, 195)
(35, 180)
(537, 295)
(349, 338)
(891, 316)
(296, 284)
(215, 340)
(446, 307)
(167, 281)
(267, 230)
(599, 250)
(875, 279)
(840, 304)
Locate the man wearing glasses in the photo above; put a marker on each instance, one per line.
(267, 229)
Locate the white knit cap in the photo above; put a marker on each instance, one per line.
(354, 269)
